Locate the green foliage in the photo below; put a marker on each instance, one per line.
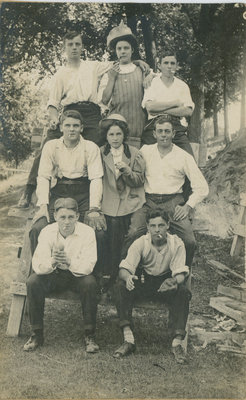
(208, 38)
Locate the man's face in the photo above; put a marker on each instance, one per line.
(73, 48)
(157, 227)
(71, 128)
(164, 134)
(124, 52)
(168, 66)
(66, 220)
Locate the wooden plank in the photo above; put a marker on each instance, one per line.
(238, 240)
(224, 268)
(211, 337)
(240, 230)
(231, 349)
(243, 199)
(219, 304)
(237, 293)
(16, 315)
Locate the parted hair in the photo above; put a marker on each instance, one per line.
(158, 212)
(121, 124)
(72, 114)
(70, 35)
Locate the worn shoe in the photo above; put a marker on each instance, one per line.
(179, 354)
(90, 345)
(33, 342)
(124, 350)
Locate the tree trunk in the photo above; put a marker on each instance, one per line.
(243, 111)
(197, 133)
(226, 120)
(149, 43)
(215, 122)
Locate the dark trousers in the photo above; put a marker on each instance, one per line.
(182, 228)
(39, 286)
(177, 301)
(91, 115)
(80, 192)
(117, 228)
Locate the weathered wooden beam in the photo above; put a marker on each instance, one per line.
(211, 337)
(223, 305)
(15, 315)
(238, 239)
(232, 349)
(224, 268)
(237, 293)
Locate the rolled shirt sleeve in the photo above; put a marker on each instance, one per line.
(198, 183)
(177, 262)
(134, 255)
(45, 172)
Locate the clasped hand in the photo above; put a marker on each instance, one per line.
(123, 167)
(181, 212)
(168, 285)
(60, 257)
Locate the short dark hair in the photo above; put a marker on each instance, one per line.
(68, 203)
(72, 114)
(167, 53)
(158, 212)
(162, 120)
(121, 124)
(71, 35)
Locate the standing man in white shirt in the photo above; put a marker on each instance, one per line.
(76, 166)
(74, 86)
(64, 258)
(168, 95)
(166, 167)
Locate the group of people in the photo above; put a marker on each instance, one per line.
(118, 210)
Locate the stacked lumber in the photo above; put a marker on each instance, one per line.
(232, 303)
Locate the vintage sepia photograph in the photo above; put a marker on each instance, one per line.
(122, 200)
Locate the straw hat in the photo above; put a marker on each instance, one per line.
(106, 122)
(121, 32)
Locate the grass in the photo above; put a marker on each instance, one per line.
(61, 369)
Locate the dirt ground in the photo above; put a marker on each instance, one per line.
(61, 369)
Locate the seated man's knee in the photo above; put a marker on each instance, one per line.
(184, 292)
(33, 282)
(88, 282)
(37, 227)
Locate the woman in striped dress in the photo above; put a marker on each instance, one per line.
(122, 87)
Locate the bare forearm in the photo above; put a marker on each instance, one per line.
(180, 278)
(123, 274)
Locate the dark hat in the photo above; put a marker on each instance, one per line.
(120, 32)
(68, 203)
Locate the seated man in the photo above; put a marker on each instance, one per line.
(64, 258)
(75, 164)
(168, 95)
(161, 260)
(166, 167)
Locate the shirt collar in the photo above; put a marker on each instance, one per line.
(117, 152)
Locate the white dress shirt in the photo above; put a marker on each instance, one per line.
(71, 85)
(80, 248)
(166, 175)
(57, 160)
(158, 91)
(154, 262)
